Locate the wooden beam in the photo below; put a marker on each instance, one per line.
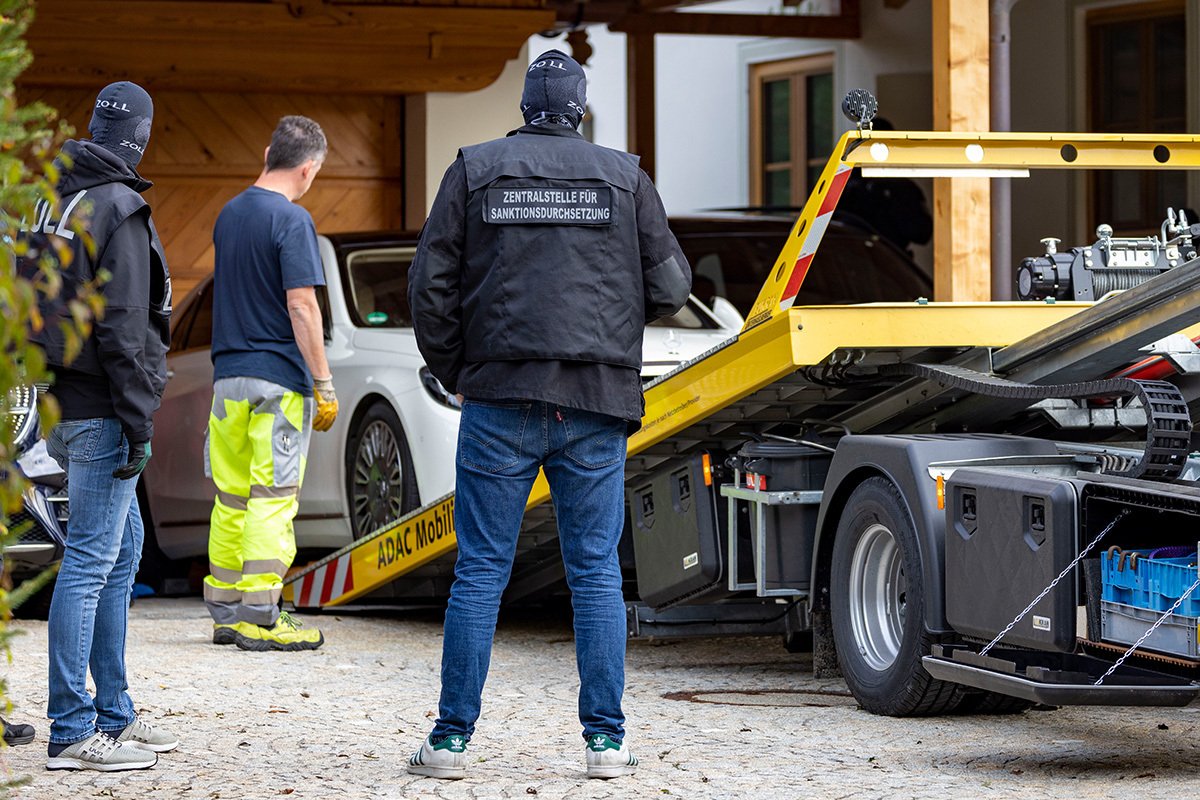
(639, 54)
(414, 162)
(793, 26)
(962, 206)
(225, 45)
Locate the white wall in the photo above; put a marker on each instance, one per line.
(702, 91)
(457, 119)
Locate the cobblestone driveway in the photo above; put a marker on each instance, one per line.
(709, 719)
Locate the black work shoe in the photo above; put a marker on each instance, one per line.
(17, 734)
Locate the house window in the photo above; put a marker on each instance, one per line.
(791, 128)
(1137, 83)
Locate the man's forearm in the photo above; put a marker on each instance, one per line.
(310, 337)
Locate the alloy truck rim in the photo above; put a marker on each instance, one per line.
(378, 494)
(878, 595)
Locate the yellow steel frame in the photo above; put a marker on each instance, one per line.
(778, 339)
(956, 151)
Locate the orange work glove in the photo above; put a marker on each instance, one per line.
(327, 405)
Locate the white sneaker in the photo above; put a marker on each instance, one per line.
(104, 753)
(607, 758)
(141, 735)
(447, 759)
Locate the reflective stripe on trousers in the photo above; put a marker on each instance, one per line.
(258, 434)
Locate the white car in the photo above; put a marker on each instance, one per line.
(392, 446)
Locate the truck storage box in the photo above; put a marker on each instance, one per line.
(1122, 624)
(678, 527)
(784, 466)
(1139, 579)
(1008, 536)
(789, 529)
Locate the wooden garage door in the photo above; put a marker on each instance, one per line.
(207, 147)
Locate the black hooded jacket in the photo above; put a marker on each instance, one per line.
(121, 369)
(542, 248)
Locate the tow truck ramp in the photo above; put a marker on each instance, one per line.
(752, 382)
(932, 384)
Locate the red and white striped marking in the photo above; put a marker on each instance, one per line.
(812, 240)
(325, 583)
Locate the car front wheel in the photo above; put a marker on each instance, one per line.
(380, 484)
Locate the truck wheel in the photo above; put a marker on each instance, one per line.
(878, 606)
(381, 485)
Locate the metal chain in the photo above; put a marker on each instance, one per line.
(1066, 571)
(1146, 635)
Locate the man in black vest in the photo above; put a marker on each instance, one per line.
(108, 394)
(543, 259)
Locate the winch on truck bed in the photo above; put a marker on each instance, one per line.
(924, 491)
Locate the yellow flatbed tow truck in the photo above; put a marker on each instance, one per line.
(926, 492)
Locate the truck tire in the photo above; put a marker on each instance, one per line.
(878, 607)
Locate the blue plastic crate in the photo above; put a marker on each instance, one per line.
(1149, 583)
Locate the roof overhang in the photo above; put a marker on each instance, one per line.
(319, 47)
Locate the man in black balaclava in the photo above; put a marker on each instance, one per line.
(555, 91)
(121, 121)
(543, 258)
(107, 394)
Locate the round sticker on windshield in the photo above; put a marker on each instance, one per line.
(376, 318)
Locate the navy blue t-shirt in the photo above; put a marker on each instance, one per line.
(265, 245)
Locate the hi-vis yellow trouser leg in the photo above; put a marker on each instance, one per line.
(258, 436)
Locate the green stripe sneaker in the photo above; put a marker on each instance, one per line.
(447, 759)
(608, 758)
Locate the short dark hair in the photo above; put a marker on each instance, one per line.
(296, 139)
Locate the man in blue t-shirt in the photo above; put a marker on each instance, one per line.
(269, 371)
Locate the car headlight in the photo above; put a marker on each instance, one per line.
(438, 392)
(21, 408)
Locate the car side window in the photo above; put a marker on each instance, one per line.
(200, 334)
(376, 287)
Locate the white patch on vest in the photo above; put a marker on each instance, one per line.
(587, 205)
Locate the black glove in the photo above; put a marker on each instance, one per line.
(139, 456)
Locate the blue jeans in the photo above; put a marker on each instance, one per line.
(90, 611)
(500, 447)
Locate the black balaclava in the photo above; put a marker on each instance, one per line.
(121, 120)
(555, 91)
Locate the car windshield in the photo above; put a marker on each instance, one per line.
(851, 266)
(688, 317)
(376, 284)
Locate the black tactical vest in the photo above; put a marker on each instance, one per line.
(102, 209)
(551, 266)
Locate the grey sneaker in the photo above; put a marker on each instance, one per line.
(104, 753)
(447, 759)
(141, 735)
(607, 758)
